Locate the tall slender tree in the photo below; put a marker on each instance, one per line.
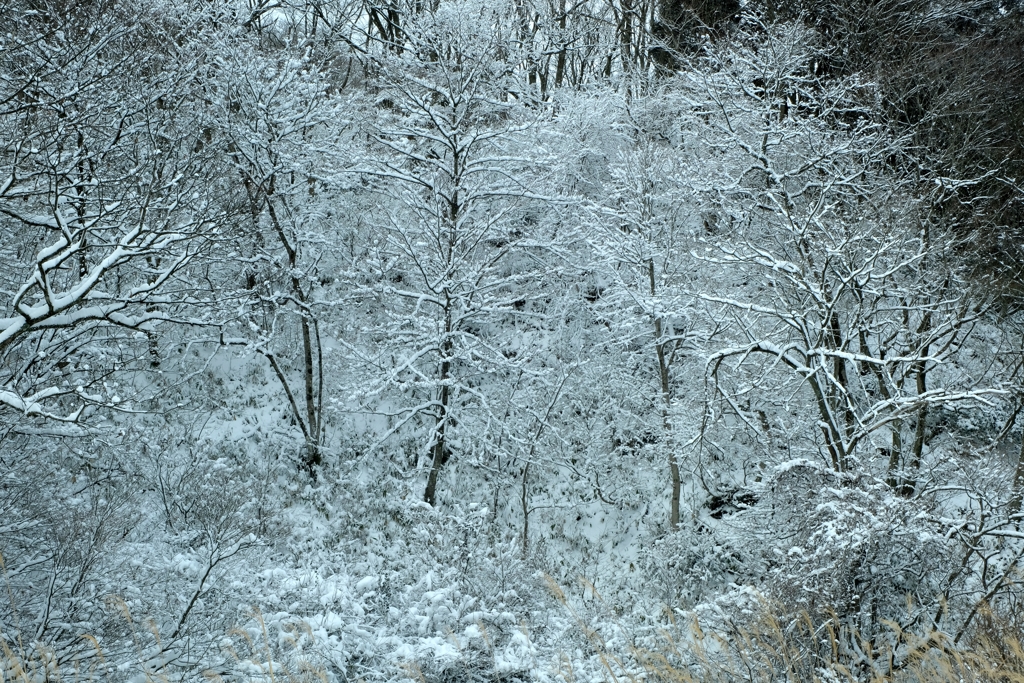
(450, 255)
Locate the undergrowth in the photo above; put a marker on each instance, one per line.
(249, 654)
(765, 648)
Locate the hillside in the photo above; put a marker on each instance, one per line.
(512, 340)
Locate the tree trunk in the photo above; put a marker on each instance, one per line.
(896, 449)
(829, 429)
(666, 399)
(313, 456)
(1017, 487)
(524, 500)
(626, 34)
(310, 423)
(560, 60)
(921, 371)
(439, 449)
(840, 398)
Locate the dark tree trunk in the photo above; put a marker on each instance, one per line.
(666, 400)
(439, 449)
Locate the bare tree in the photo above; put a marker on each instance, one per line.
(841, 275)
(643, 248)
(451, 255)
(106, 199)
(281, 135)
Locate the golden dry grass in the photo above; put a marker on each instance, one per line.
(808, 650)
(764, 649)
(255, 659)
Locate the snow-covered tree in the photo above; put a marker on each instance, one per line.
(643, 248)
(107, 197)
(840, 280)
(454, 246)
(281, 129)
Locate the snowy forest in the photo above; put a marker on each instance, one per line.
(520, 341)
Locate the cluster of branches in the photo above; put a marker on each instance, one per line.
(752, 266)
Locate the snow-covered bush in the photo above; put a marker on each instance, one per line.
(828, 541)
